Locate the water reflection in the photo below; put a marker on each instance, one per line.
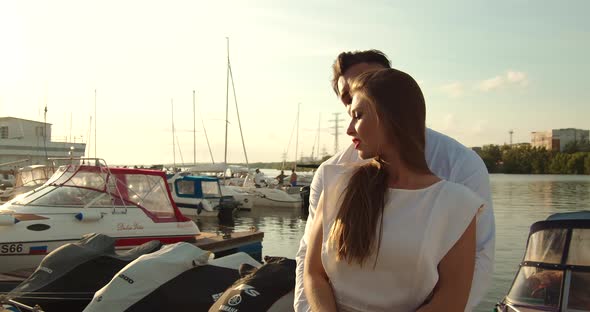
(283, 228)
(519, 201)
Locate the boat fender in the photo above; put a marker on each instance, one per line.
(88, 216)
(8, 219)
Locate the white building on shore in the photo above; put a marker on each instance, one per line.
(557, 139)
(22, 139)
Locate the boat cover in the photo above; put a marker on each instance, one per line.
(167, 280)
(197, 288)
(268, 288)
(145, 275)
(75, 271)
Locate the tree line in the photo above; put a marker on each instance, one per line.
(525, 159)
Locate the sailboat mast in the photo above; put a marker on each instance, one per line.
(173, 141)
(95, 142)
(226, 101)
(194, 131)
(297, 137)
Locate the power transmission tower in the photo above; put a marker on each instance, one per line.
(511, 132)
(337, 127)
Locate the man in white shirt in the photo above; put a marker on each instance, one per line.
(446, 158)
(258, 178)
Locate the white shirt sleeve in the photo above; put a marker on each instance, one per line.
(479, 182)
(349, 155)
(454, 162)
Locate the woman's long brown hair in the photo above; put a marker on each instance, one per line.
(398, 102)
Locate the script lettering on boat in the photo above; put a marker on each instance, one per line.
(129, 227)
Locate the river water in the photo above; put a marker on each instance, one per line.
(519, 201)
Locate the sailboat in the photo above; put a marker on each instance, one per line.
(263, 197)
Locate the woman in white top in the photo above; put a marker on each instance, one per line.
(388, 234)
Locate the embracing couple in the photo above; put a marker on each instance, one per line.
(402, 220)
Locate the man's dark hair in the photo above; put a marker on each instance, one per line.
(345, 60)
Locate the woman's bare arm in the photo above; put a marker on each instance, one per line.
(455, 275)
(317, 288)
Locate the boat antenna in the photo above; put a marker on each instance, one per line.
(45, 130)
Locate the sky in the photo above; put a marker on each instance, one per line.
(485, 68)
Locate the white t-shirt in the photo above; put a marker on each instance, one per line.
(258, 177)
(419, 228)
(449, 160)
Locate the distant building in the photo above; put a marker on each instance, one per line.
(557, 139)
(27, 139)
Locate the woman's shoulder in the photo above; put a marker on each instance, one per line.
(459, 194)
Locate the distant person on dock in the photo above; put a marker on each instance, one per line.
(293, 178)
(281, 178)
(445, 158)
(258, 178)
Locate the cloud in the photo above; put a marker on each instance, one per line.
(491, 84)
(454, 89)
(517, 78)
(509, 78)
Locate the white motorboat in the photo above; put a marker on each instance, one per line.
(270, 197)
(132, 205)
(200, 196)
(245, 199)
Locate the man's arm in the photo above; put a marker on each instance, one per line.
(347, 156)
(317, 286)
(301, 304)
(478, 181)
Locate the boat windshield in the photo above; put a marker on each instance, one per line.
(536, 287)
(542, 286)
(210, 189)
(579, 251)
(546, 246)
(90, 186)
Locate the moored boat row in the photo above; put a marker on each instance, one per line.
(131, 205)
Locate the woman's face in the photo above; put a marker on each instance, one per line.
(367, 136)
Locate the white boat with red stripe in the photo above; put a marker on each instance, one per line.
(132, 205)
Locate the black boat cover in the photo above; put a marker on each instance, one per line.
(268, 288)
(181, 277)
(66, 278)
